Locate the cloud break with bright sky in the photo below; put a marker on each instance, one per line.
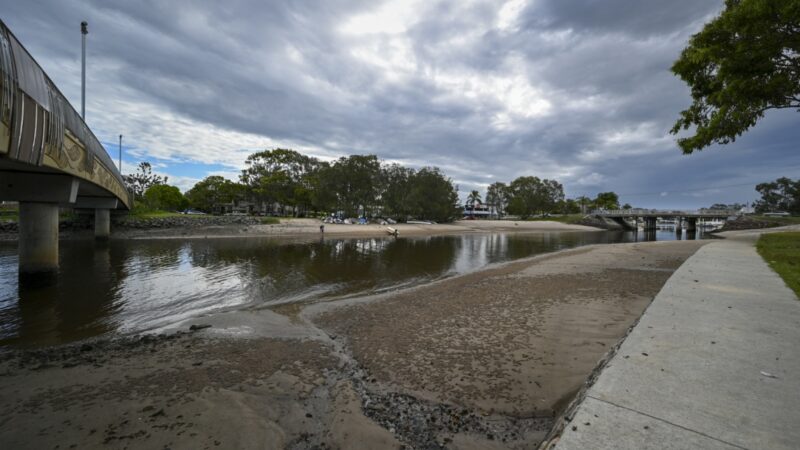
(574, 90)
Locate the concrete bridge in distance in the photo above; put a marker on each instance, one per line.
(650, 216)
(49, 158)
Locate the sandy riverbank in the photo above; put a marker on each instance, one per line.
(478, 361)
(194, 228)
(308, 227)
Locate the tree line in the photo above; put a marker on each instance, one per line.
(355, 185)
(288, 182)
(528, 196)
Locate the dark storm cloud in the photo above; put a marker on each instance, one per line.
(574, 90)
(639, 18)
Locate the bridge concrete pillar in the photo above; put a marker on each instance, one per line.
(691, 224)
(102, 224)
(649, 223)
(38, 238)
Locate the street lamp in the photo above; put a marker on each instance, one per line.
(84, 32)
(120, 154)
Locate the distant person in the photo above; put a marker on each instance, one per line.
(322, 228)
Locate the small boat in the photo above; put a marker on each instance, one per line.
(392, 231)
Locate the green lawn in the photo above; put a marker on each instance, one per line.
(155, 214)
(781, 221)
(782, 252)
(9, 216)
(270, 220)
(12, 215)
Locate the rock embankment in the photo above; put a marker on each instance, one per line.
(748, 223)
(599, 222)
(182, 221)
(128, 222)
(80, 223)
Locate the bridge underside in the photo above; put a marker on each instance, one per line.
(49, 158)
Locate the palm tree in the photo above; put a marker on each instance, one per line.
(472, 198)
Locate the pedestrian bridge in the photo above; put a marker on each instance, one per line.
(650, 216)
(49, 158)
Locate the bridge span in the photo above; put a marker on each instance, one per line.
(650, 216)
(49, 158)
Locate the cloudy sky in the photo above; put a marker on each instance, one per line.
(576, 90)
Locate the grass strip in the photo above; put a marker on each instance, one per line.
(782, 252)
(270, 220)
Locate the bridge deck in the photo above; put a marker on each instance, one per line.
(44, 143)
(665, 214)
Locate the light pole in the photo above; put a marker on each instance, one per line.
(120, 154)
(84, 32)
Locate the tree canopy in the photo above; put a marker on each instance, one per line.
(397, 196)
(433, 195)
(531, 195)
(781, 195)
(280, 176)
(141, 180)
(497, 197)
(743, 63)
(165, 197)
(607, 200)
(355, 185)
(213, 191)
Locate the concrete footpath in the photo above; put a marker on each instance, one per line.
(713, 363)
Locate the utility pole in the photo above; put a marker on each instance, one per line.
(120, 155)
(84, 32)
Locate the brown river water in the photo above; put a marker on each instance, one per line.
(124, 287)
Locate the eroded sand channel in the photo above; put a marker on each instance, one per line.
(479, 361)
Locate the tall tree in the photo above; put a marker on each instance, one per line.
(141, 180)
(497, 198)
(322, 185)
(212, 191)
(165, 197)
(279, 176)
(782, 194)
(743, 63)
(433, 196)
(531, 195)
(553, 194)
(607, 200)
(569, 206)
(396, 198)
(353, 182)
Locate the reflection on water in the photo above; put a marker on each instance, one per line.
(129, 286)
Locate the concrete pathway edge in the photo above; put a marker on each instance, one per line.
(712, 363)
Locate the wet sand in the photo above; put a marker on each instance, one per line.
(518, 340)
(482, 360)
